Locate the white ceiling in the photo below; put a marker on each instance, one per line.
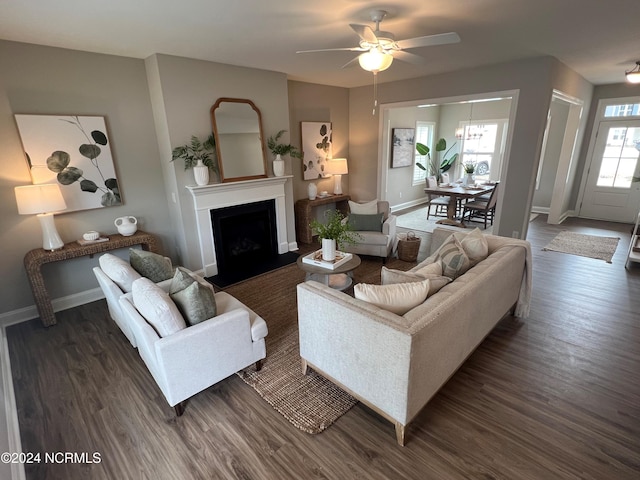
(599, 39)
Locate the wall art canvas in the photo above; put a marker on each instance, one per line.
(402, 147)
(74, 152)
(316, 147)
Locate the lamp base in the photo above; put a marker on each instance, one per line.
(337, 184)
(50, 239)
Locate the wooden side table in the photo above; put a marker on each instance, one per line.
(34, 260)
(304, 208)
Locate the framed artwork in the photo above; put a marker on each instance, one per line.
(316, 147)
(402, 147)
(74, 152)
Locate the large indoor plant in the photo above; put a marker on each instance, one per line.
(334, 233)
(278, 149)
(433, 168)
(198, 155)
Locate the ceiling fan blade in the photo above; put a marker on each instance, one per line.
(351, 63)
(409, 57)
(345, 49)
(429, 40)
(364, 32)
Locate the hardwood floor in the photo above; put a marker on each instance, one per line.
(554, 396)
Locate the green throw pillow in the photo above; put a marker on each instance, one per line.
(150, 265)
(180, 280)
(196, 303)
(366, 223)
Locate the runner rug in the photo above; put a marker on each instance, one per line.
(310, 402)
(592, 246)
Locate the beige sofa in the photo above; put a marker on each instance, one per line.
(396, 364)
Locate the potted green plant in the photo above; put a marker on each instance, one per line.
(279, 149)
(334, 233)
(198, 155)
(469, 168)
(433, 167)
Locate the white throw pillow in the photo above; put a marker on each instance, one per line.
(475, 246)
(119, 271)
(157, 308)
(389, 276)
(368, 208)
(430, 269)
(397, 298)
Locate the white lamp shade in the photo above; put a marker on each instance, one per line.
(633, 77)
(44, 198)
(337, 166)
(375, 60)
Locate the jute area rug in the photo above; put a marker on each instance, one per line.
(591, 246)
(310, 402)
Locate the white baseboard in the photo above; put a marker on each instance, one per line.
(409, 204)
(541, 210)
(9, 415)
(59, 304)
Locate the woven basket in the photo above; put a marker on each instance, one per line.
(408, 247)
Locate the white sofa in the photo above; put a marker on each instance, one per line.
(395, 364)
(194, 358)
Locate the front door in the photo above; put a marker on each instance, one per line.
(612, 191)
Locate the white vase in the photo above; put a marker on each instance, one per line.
(278, 166)
(328, 249)
(312, 190)
(201, 173)
(468, 179)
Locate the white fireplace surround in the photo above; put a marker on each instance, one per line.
(220, 195)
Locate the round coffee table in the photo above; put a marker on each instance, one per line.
(339, 278)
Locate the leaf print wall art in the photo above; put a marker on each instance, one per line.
(316, 148)
(74, 152)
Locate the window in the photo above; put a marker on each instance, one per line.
(424, 134)
(620, 158)
(628, 110)
(481, 145)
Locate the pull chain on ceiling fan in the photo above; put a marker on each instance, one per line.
(379, 48)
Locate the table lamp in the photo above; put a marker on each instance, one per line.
(337, 167)
(43, 200)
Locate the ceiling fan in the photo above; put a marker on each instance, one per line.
(379, 48)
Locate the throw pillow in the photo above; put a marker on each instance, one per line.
(119, 271)
(452, 258)
(196, 302)
(366, 223)
(475, 246)
(390, 276)
(397, 298)
(368, 208)
(157, 308)
(430, 269)
(151, 265)
(181, 280)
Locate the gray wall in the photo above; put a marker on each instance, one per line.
(44, 80)
(533, 78)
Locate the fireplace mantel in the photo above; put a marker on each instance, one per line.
(220, 195)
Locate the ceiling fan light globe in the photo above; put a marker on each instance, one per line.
(375, 60)
(633, 77)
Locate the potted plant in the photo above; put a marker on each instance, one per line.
(445, 164)
(469, 168)
(198, 155)
(279, 149)
(334, 233)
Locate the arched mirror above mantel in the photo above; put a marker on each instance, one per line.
(237, 127)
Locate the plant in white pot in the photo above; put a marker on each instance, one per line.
(279, 149)
(198, 155)
(334, 233)
(433, 167)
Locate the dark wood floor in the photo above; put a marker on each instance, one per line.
(555, 396)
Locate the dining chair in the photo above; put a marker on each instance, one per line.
(484, 209)
(441, 203)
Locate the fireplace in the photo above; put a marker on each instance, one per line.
(244, 235)
(220, 196)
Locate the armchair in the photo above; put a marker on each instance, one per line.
(374, 243)
(194, 358)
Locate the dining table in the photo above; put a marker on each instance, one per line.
(458, 191)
